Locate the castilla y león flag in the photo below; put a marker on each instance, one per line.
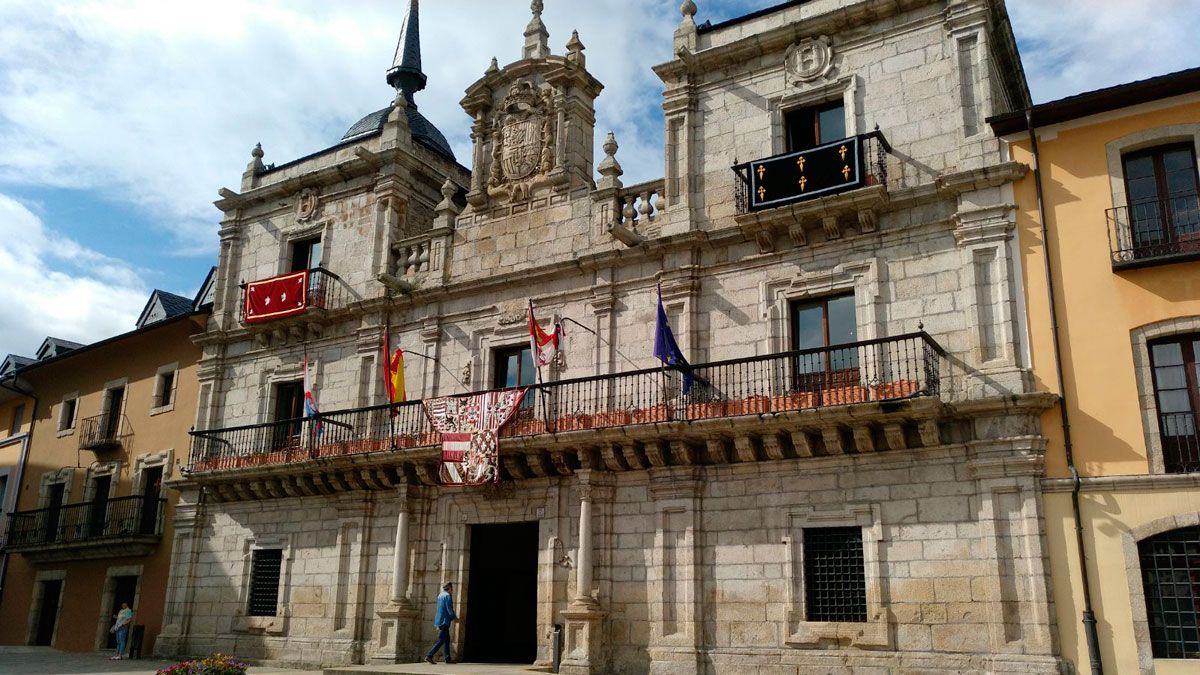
(277, 297)
(468, 424)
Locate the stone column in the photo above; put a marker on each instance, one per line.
(188, 519)
(395, 642)
(585, 644)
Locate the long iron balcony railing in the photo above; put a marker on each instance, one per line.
(86, 522)
(1155, 231)
(847, 164)
(873, 370)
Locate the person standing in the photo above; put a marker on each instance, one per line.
(441, 620)
(121, 627)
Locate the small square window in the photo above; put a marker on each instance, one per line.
(66, 414)
(265, 566)
(835, 585)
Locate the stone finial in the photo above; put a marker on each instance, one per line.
(446, 210)
(609, 169)
(537, 38)
(575, 49)
(685, 33)
(494, 67)
(256, 163)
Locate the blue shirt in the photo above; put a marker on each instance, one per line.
(445, 610)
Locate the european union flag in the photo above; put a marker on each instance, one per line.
(667, 350)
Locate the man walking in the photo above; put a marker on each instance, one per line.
(442, 620)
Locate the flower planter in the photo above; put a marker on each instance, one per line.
(430, 438)
(793, 401)
(655, 413)
(846, 395)
(898, 389)
(573, 423)
(753, 405)
(697, 411)
(616, 418)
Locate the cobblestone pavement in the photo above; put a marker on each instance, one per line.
(48, 661)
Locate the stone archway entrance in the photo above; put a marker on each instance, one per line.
(501, 608)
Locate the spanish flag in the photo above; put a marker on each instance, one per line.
(393, 372)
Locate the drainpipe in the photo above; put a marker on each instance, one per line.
(1089, 616)
(8, 384)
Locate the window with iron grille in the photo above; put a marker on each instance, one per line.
(1176, 376)
(265, 565)
(1171, 582)
(835, 585)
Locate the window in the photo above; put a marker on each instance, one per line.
(110, 423)
(306, 254)
(835, 586)
(1175, 376)
(66, 414)
(289, 408)
(3, 501)
(1161, 188)
(822, 323)
(164, 389)
(1171, 583)
(18, 419)
(816, 125)
(265, 565)
(514, 367)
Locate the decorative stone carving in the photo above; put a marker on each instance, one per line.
(522, 142)
(306, 205)
(809, 59)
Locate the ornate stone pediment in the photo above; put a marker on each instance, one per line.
(522, 132)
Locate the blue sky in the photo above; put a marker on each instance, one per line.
(120, 119)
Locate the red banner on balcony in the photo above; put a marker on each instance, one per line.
(468, 424)
(275, 298)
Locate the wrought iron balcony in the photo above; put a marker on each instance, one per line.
(881, 370)
(1180, 442)
(119, 527)
(1154, 232)
(829, 169)
(292, 294)
(100, 433)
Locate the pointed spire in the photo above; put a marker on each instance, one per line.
(406, 75)
(537, 38)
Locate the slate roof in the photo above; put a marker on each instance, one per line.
(422, 129)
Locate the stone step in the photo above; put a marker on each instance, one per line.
(428, 669)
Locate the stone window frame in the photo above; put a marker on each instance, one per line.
(320, 230)
(269, 625)
(156, 395)
(163, 458)
(97, 469)
(270, 377)
(67, 427)
(1133, 574)
(65, 475)
(8, 501)
(35, 607)
(810, 94)
(859, 277)
(105, 620)
(1141, 140)
(875, 632)
(1140, 339)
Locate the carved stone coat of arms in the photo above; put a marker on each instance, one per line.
(522, 141)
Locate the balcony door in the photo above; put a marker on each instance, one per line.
(1161, 187)
(111, 422)
(814, 125)
(289, 408)
(818, 327)
(151, 492)
(1177, 389)
(53, 512)
(98, 510)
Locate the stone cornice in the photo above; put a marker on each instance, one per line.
(363, 163)
(1138, 482)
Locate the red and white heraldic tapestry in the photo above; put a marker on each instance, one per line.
(468, 424)
(277, 297)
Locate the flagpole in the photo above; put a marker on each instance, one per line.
(387, 373)
(535, 353)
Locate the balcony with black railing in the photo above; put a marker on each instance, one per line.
(1154, 232)
(105, 528)
(880, 372)
(303, 293)
(1180, 442)
(108, 431)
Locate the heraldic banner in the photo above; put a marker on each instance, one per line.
(277, 297)
(468, 425)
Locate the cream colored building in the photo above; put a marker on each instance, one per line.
(852, 484)
(1118, 181)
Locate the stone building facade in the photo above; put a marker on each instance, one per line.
(852, 484)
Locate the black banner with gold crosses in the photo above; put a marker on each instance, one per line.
(825, 169)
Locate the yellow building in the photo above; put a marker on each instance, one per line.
(16, 409)
(90, 526)
(1115, 200)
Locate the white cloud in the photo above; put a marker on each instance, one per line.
(53, 286)
(1073, 46)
